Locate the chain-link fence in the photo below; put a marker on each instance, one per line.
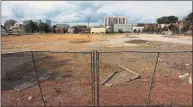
(47, 79)
(145, 78)
(121, 78)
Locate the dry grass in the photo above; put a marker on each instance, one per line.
(43, 38)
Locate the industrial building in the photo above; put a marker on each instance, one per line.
(124, 27)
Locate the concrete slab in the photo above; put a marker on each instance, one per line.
(28, 80)
(123, 75)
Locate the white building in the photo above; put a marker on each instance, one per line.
(111, 20)
(71, 30)
(48, 22)
(137, 28)
(124, 27)
(164, 25)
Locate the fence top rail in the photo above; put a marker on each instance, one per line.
(147, 51)
(89, 52)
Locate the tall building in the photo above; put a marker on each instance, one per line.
(48, 22)
(9, 23)
(111, 20)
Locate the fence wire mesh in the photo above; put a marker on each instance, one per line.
(70, 84)
(96, 78)
(18, 76)
(118, 91)
(173, 76)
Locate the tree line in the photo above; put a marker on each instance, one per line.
(33, 27)
(172, 27)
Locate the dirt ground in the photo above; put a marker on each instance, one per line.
(72, 85)
(80, 42)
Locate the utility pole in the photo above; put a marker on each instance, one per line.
(88, 25)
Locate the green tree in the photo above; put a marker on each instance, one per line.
(46, 28)
(172, 19)
(173, 28)
(185, 28)
(31, 27)
(189, 18)
(162, 20)
(167, 19)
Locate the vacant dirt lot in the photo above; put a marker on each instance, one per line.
(80, 42)
(72, 85)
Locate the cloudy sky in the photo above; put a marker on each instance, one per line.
(76, 12)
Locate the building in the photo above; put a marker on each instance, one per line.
(71, 30)
(38, 21)
(48, 22)
(164, 25)
(65, 26)
(17, 25)
(3, 31)
(9, 23)
(111, 20)
(109, 28)
(59, 30)
(123, 27)
(85, 30)
(98, 30)
(137, 28)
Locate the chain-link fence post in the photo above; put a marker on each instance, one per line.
(151, 83)
(97, 75)
(37, 78)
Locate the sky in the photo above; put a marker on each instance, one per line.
(77, 12)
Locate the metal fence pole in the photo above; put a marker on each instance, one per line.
(97, 75)
(152, 78)
(94, 75)
(38, 79)
(92, 78)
